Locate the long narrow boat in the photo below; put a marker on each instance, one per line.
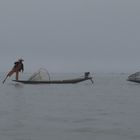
(136, 81)
(134, 77)
(68, 81)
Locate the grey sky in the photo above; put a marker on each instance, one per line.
(71, 35)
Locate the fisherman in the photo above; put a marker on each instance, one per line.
(87, 74)
(18, 67)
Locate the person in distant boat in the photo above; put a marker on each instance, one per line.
(87, 74)
(18, 67)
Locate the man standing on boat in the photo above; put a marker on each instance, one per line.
(18, 67)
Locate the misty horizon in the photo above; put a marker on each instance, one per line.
(71, 36)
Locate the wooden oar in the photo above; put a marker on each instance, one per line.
(5, 79)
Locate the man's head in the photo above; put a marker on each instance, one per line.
(20, 60)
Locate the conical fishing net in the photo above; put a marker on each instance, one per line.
(41, 75)
(135, 76)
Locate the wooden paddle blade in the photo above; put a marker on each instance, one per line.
(4, 80)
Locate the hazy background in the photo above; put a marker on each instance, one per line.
(71, 35)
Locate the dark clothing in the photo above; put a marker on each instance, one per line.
(87, 74)
(19, 66)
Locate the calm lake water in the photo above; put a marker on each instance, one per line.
(107, 110)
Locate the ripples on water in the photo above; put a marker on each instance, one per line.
(108, 110)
